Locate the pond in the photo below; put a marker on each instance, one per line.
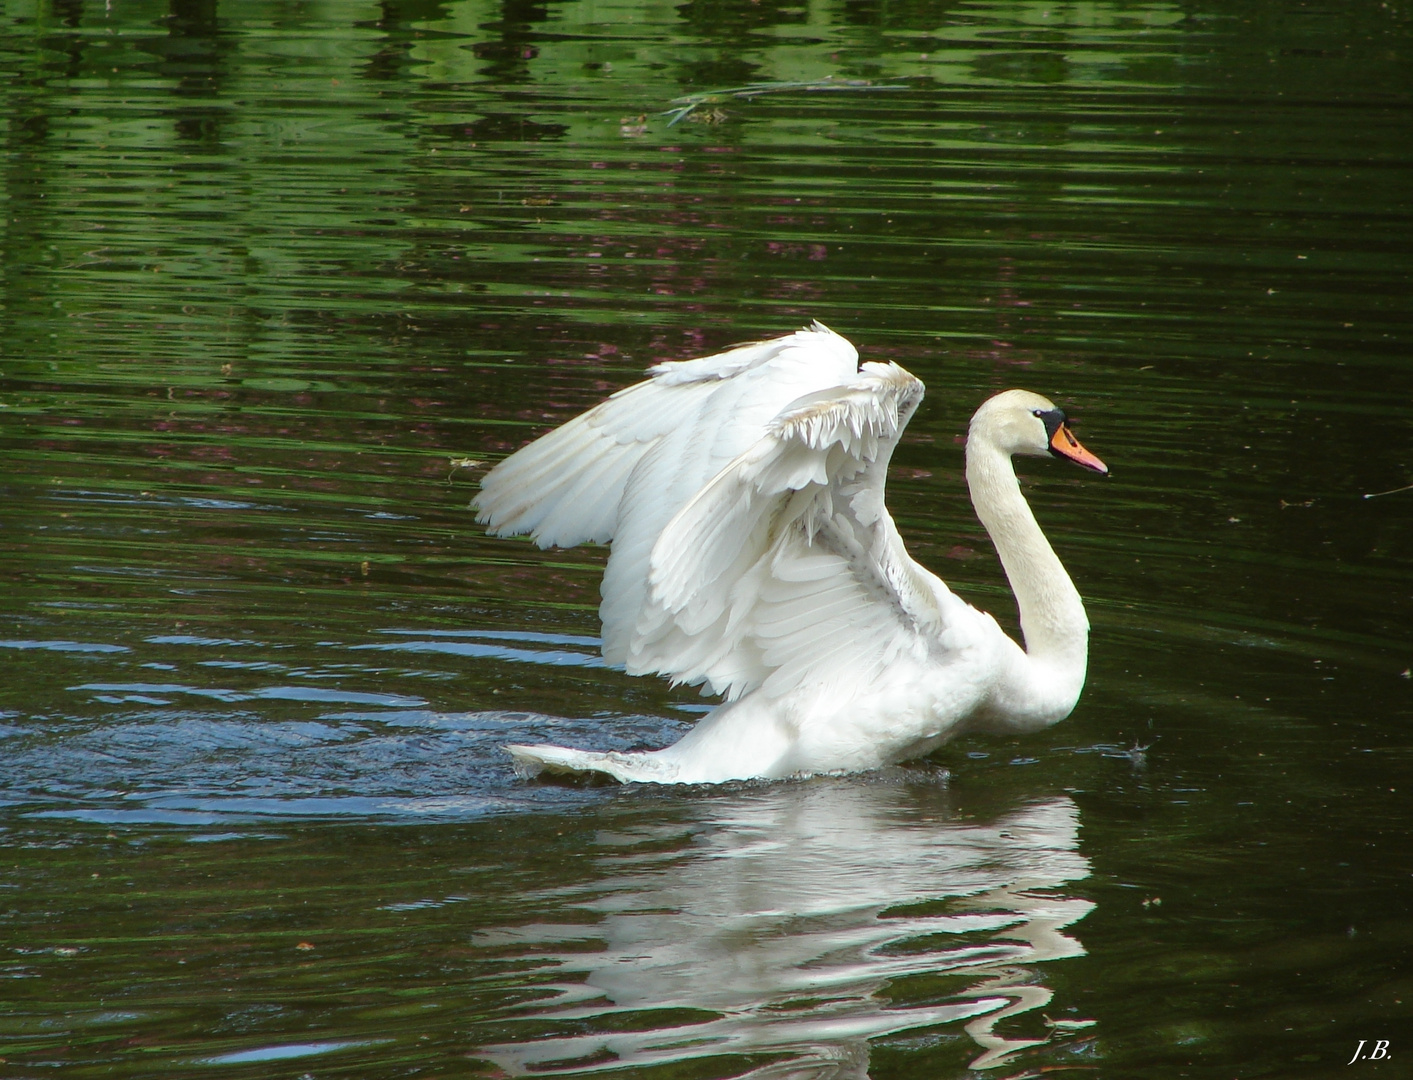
(282, 280)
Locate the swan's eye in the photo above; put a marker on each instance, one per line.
(1037, 412)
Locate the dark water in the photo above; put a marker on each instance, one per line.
(281, 280)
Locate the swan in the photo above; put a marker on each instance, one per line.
(752, 554)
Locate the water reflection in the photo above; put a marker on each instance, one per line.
(798, 922)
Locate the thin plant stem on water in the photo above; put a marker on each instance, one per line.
(685, 106)
(1391, 491)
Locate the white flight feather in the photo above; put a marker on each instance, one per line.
(567, 487)
(786, 566)
(621, 470)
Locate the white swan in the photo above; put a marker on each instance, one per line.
(752, 554)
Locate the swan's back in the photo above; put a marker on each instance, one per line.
(622, 471)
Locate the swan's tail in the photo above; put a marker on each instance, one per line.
(530, 761)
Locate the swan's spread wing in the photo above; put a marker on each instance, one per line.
(567, 488)
(564, 488)
(787, 567)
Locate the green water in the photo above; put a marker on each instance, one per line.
(280, 280)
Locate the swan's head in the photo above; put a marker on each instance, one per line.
(1019, 422)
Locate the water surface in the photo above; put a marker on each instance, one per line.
(278, 283)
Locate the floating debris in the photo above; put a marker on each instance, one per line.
(708, 116)
(460, 463)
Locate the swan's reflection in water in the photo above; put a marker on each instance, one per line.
(777, 925)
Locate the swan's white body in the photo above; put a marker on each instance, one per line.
(752, 554)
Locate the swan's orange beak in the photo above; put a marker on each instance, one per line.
(1064, 444)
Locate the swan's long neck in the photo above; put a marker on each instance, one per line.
(1052, 615)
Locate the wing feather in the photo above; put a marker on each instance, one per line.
(787, 566)
(565, 488)
(568, 487)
